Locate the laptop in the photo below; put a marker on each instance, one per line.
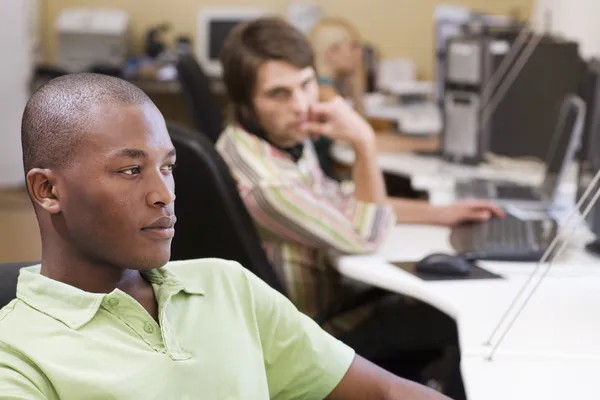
(566, 141)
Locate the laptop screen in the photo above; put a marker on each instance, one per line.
(565, 143)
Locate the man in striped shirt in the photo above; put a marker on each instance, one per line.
(303, 216)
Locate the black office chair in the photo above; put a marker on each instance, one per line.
(212, 220)
(9, 274)
(204, 106)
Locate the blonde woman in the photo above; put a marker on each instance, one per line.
(339, 63)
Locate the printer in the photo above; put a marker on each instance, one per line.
(89, 37)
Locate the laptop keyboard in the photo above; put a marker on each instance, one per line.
(516, 192)
(480, 189)
(504, 239)
(476, 188)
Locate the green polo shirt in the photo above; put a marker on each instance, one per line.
(222, 334)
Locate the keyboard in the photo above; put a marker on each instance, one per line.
(515, 192)
(504, 239)
(480, 189)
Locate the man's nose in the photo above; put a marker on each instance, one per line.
(162, 191)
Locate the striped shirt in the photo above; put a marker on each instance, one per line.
(302, 216)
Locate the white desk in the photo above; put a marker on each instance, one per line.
(427, 172)
(531, 378)
(552, 350)
(561, 320)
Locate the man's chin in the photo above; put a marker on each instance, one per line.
(297, 137)
(291, 139)
(148, 260)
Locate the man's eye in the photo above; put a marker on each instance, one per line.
(278, 93)
(132, 171)
(170, 167)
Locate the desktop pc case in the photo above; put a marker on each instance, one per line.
(523, 120)
(471, 61)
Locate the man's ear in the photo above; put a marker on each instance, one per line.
(41, 184)
(331, 53)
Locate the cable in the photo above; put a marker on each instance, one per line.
(537, 285)
(560, 236)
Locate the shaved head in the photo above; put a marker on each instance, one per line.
(58, 115)
(98, 165)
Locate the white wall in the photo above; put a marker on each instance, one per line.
(15, 71)
(573, 19)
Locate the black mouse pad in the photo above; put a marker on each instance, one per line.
(476, 272)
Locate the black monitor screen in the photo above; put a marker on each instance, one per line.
(590, 152)
(218, 31)
(591, 96)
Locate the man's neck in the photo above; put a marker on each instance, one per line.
(95, 278)
(87, 275)
(293, 148)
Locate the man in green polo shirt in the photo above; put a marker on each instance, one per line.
(105, 316)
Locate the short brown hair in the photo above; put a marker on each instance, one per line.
(251, 44)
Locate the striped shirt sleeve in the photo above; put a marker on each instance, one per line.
(319, 220)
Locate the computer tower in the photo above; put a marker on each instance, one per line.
(452, 20)
(472, 59)
(523, 117)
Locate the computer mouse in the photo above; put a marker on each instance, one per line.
(443, 264)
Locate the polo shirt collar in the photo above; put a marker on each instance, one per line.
(75, 307)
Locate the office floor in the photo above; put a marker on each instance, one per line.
(19, 235)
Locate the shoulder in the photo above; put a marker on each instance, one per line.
(226, 141)
(225, 135)
(6, 314)
(252, 160)
(15, 315)
(16, 321)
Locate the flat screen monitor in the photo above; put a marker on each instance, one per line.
(589, 157)
(213, 27)
(591, 131)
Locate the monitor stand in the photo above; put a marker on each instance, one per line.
(594, 247)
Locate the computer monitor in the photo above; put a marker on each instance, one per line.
(589, 158)
(591, 132)
(213, 26)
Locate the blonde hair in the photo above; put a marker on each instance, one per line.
(327, 33)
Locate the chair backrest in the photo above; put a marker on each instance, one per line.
(203, 104)
(9, 273)
(212, 220)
